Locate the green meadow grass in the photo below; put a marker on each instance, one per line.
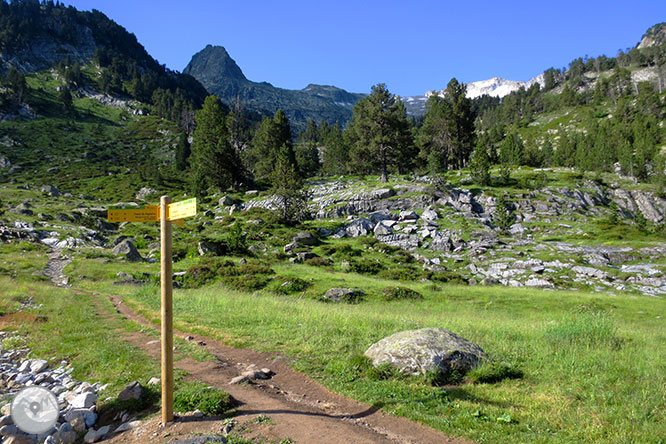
(594, 365)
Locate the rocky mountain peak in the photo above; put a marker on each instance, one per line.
(212, 64)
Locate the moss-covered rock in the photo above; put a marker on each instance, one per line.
(427, 351)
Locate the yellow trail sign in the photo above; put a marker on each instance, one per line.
(148, 213)
(182, 209)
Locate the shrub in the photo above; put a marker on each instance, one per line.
(198, 396)
(366, 266)
(397, 293)
(446, 276)
(400, 274)
(235, 239)
(287, 285)
(319, 262)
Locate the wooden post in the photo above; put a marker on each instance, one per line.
(167, 313)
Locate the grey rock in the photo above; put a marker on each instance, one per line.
(349, 295)
(426, 350)
(38, 365)
(50, 190)
(145, 192)
(538, 283)
(127, 426)
(6, 420)
(289, 248)
(9, 429)
(127, 249)
(377, 216)
(360, 227)
(429, 215)
(84, 400)
(305, 255)
(590, 272)
(206, 247)
(133, 390)
(226, 201)
(305, 238)
(382, 193)
(407, 215)
(239, 380)
(154, 381)
(95, 435)
(382, 230)
(489, 281)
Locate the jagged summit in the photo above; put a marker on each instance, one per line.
(220, 75)
(213, 63)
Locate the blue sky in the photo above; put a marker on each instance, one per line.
(412, 46)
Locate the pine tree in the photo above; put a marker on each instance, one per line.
(292, 199)
(183, 152)
(479, 165)
(213, 161)
(267, 143)
(447, 136)
(380, 131)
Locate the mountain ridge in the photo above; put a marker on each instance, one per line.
(214, 68)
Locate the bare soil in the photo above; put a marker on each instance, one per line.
(299, 408)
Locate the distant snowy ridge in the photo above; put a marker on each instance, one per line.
(496, 87)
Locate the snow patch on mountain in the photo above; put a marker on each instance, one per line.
(495, 87)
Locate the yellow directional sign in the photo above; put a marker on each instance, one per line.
(148, 213)
(182, 209)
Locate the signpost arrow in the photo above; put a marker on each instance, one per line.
(166, 213)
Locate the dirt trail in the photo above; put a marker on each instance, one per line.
(54, 268)
(299, 408)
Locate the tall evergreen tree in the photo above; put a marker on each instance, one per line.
(214, 162)
(271, 135)
(447, 136)
(183, 152)
(380, 130)
(292, 198)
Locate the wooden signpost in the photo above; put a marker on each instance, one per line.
(166, 213)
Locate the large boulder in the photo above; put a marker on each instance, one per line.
(427, 350)
(127, 249)
(360, 227)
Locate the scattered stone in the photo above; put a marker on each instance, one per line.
(382, 230)
(305, 255)
(145, 192)
(206, 247)
(382, 193)
(426, 350)
(408, 215)
(95, 435)
(226, 201)
(348, 295)
(289, 248)
(84, 400)
(429, 215)
(50, 190)
(127, 249)
(538, 283)
(360, 227)
(133, 390)
(305, 238)
(239, 380)
(127, 426)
